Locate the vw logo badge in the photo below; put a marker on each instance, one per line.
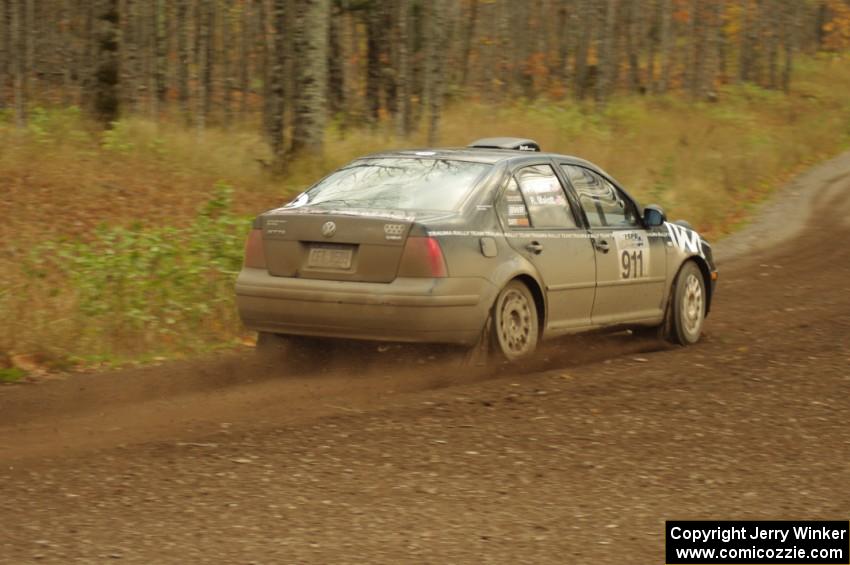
(328, 229)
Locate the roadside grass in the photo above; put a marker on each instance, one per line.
(122, 246)
(11, 374)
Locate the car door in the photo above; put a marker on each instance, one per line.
(541, 224)
(630, 262)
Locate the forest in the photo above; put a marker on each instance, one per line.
(138, 138)
(292, 66)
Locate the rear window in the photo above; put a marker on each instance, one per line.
(396, 184)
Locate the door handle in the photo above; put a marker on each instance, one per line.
(535, 247)
(601, 245)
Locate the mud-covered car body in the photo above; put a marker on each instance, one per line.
(590, 255)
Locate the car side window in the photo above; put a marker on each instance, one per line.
(603, 204)
(545, 197)
(514, 208)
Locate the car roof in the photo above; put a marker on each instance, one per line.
(478, 155)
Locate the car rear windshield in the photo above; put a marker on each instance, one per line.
(396, 184)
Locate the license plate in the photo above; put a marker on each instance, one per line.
(329, 258)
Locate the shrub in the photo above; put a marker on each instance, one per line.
(140, 289)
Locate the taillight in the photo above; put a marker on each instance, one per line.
(422, 257)
(255, 258)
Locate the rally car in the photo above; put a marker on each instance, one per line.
(493, 246)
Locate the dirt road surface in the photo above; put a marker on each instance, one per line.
(579, 459)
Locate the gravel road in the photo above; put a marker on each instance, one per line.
(579, 459)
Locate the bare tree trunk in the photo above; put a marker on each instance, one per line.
(206, 44)
(389, 80)
(290, 68)
(18, 62)
(504, 48)
(272, 66)
(711, 66)
(563, 42)
(226, 61)
(402, 40)
(581, 74)
(653, 39)
(169, 45)
(87, 62)
(606, 68)
(520, 47)
(615, 34)
(469, 34)
(632, 50)
(487, 80)
(129, 56)
(789, 38)
(749, 36)
(722, 46)
(697, 49)
(775, 17)
(373, 66)
(310, 48)
(244, 63)
(208, 61)
(452, 41)
(821, 19)
(758, 42)
(6, 36)
(275, 94)
(183, 57)
(336, 64)
(29, 35)
(666, 45)
(202, 65)
(436, 71)
(160, 45)
(66, 53)
(152, 53)
(352, 68)
(104, 97)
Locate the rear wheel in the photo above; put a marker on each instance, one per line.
(515, 328)
(687, 308)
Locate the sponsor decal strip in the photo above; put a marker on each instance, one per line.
(530, 234)
(685, 239)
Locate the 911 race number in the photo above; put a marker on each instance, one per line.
(631, 263)
(633, 252)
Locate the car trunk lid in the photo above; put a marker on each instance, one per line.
(363, 246)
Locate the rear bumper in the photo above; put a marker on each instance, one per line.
(444, 310)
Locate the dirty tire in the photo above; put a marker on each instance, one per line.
(687, 308)
(515, 325)
(291, 354)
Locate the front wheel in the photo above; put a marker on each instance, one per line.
(515, 328)
(687, 309)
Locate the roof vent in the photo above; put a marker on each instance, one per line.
(514, 143)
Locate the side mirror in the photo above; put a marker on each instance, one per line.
(653, 216)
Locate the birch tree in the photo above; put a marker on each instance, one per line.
(310, 51)
(276, 60)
